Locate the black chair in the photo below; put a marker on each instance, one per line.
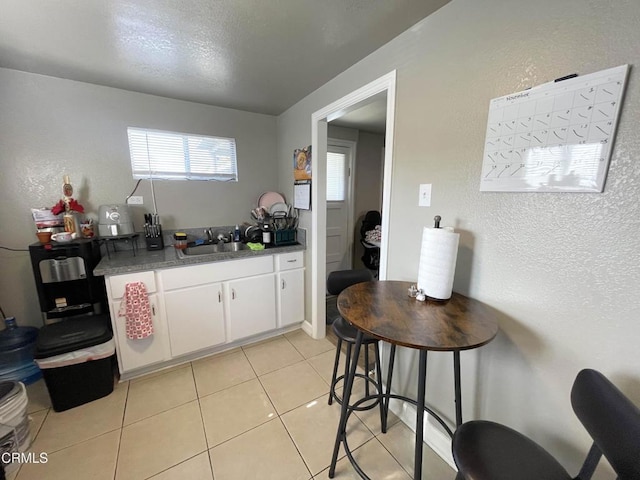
(371, 256)
(336, 283)
(485, 450)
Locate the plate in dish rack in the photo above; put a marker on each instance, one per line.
(280, 208)
(267, 199)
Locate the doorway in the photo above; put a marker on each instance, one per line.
(318, 238)
(341, 156)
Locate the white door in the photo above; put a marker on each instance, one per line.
(339, 209)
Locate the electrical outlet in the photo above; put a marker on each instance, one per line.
(424, 200)
(135, 201)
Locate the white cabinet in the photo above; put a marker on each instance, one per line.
(213, 303)
(134, 354)
(200, 307)
(195, 317)
(289, 261)
(290, 298)
(252, 306)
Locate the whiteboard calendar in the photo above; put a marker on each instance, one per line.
(557, 137)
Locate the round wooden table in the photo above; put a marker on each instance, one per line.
(385, 310)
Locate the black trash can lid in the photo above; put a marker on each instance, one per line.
(72, 334)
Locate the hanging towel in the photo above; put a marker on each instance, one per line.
(135, 307)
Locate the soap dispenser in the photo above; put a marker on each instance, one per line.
(236, 234)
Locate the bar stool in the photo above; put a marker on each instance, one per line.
(336, 283)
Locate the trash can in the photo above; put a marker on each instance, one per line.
(76, 359)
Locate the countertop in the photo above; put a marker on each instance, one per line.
(126, 262)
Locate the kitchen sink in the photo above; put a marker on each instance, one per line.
(212, 248)
(235, 247)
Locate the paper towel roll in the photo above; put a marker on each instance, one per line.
(438, 262)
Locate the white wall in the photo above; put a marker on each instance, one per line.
(368, 185)
(51, 127)
(561, 270)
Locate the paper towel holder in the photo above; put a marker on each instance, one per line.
(437, 263)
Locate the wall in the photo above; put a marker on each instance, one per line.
(368, 184)
(51, 127)
(561, 270)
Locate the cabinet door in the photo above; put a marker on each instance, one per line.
(195, 317)
(290, 297)
(134, 354)
(252, 306)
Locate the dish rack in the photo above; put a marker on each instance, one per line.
(285, 237)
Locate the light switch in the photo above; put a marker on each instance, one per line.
(425, 195)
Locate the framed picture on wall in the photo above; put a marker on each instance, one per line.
(302, 163)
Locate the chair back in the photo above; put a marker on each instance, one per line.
(371, 219)
(341, 279)
(611, 419)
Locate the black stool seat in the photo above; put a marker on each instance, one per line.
(347, 332)
(490, 450)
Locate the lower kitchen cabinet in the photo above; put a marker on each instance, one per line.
(133, 354)
(290, 272)
(290, 297)
(252, 306)
(200, 307)
(195, 318)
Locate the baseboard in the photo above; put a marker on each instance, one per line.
(174, 362)
(437, 439)
(307, 328)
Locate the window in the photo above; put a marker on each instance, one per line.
(336, 175)
(177, 156)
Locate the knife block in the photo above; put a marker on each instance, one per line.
(153, 237)
(154, 243)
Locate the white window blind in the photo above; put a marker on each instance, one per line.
(336, 176)
(177, 156)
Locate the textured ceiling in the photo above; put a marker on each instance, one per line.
(255, 55)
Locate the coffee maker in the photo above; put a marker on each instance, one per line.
(64, 279)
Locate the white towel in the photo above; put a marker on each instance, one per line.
(135, 307)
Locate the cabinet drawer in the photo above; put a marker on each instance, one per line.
(191, 276)
(119, 282)
(289, 261)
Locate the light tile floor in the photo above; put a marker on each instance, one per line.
(257, 412)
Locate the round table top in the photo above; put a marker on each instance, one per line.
(384, 310)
